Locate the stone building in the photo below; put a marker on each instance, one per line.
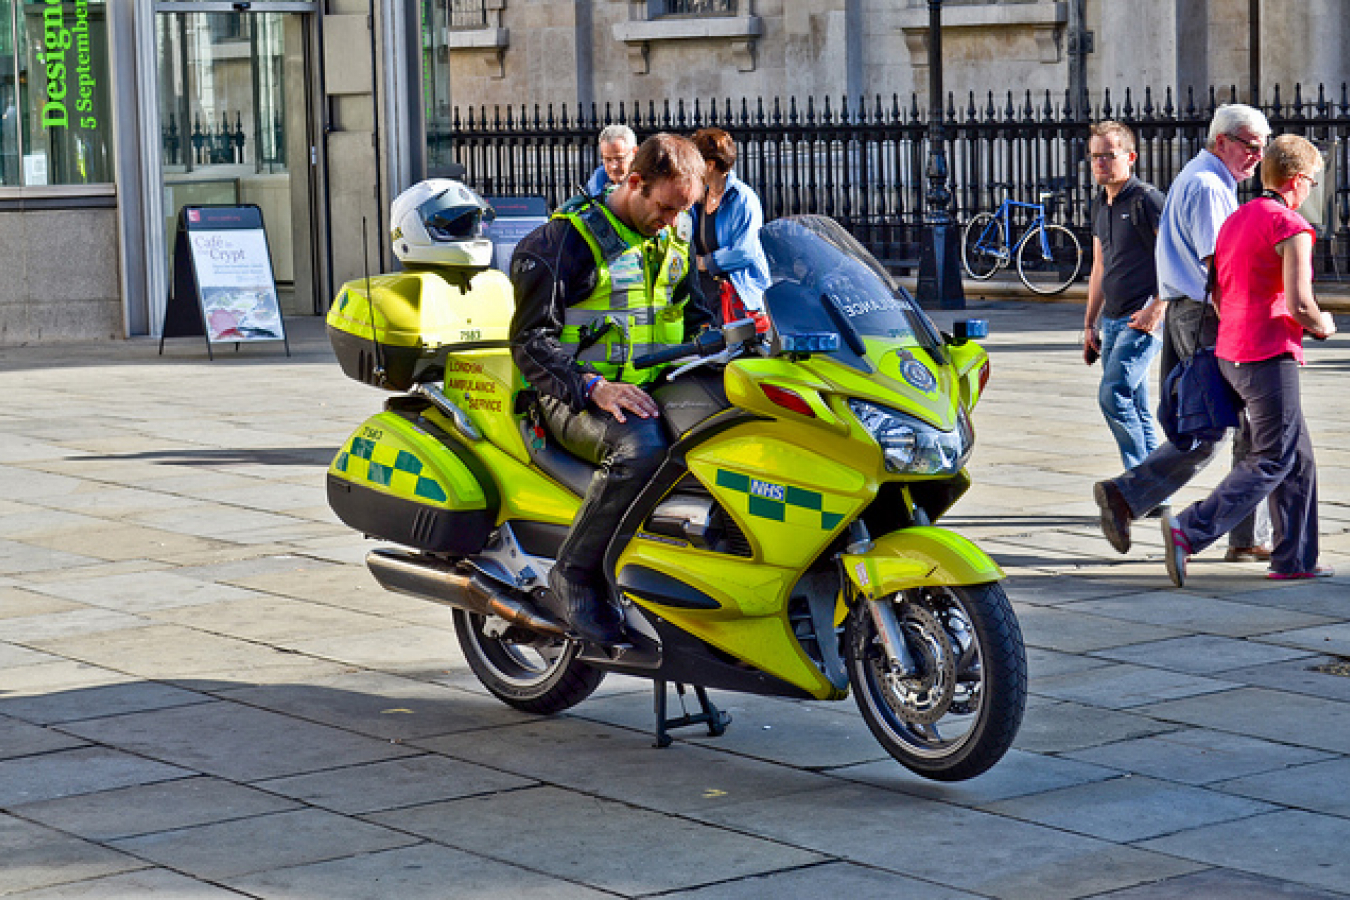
(117, 114)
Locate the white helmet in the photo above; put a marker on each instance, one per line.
(439, 222)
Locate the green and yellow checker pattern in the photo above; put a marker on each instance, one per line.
(780, 502)
(367, 460)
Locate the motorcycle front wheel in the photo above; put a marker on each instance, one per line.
(531, 672)
(953, 707)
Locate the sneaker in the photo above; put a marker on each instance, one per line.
(1115, 515)
(1176, 550)
(1259, 553)
(1317, 572)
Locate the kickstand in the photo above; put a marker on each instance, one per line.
(716, 719)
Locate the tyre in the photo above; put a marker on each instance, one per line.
(531, 672)
(1055, 272)
(956, 712)
(984, 246)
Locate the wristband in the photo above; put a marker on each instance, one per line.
(590, 384)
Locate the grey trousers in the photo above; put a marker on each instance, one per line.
(1169, 468)
(1280, 466)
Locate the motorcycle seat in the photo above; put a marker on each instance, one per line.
(569, 471)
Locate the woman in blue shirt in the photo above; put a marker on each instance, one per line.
(731, 263)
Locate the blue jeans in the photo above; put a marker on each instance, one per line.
(1123, 393)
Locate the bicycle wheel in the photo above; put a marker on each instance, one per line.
(984, 246)
(1048, 259)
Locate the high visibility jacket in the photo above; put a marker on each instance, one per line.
(631, 308)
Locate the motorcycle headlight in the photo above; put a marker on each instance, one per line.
(914, 447)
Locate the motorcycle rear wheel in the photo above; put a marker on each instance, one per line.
(957, 713)
(535, 674)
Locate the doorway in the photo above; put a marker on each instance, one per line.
(237, 127)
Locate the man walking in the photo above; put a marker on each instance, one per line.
(1123, 290)
(1200, 199)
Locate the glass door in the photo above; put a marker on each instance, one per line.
(235, 128)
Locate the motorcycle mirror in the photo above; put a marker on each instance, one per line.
(739, 330)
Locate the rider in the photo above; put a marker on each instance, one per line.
(601, 283)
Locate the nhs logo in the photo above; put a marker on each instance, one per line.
(766, 490)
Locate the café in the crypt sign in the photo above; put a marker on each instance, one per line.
(223, 283)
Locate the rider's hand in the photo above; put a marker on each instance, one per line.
(614, 397)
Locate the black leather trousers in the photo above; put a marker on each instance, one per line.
(628, 454)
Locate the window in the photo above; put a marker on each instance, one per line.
(700, 7)
(55, 127)
(466, 13)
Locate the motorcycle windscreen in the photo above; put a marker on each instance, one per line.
(825, 282)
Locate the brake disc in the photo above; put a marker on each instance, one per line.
(925, 695)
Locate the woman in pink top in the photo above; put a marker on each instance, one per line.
(1265, 300)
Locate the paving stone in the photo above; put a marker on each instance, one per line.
(622, 764)
(1333, 639)
(396, 783)
(1317, 787)
(97, 702)
(1123, 686)
(75, 770)
(260, 843)
(1306, 675)
(1018, 773)
(1059, 727)
(383, 706)
(235, 741)
(424, 871)
(143, 591)
(1203, 654)
(811, 735)
(1015, 859)
(1128, 809)
(146, 884)
(169, 651)
(829, 880)
(36, 857)
(269, 619)
(591, 841)
(22, 739)
(1075, 631)
(149, 808)
(1203, 615)
(16, 603)
(1320, 724)
(1198, 756)
(1300, 847)
(1221, 884)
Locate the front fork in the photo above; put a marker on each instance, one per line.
(882, 614)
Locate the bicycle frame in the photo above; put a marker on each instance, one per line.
(1004, 214)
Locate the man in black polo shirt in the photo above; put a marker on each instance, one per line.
(1123, 311)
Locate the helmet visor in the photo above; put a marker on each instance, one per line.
(449, 218)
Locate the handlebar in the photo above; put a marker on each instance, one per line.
(669, 354)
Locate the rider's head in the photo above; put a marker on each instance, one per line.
(664, 181)
(439, 222)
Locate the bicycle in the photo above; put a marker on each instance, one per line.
(1049, 256)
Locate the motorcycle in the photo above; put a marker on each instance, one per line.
(785, 547)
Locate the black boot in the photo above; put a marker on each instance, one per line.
(592, 617)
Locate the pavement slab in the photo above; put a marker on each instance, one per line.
(589, 840)
(37, 857)
(1291, 845)
(1198, 756)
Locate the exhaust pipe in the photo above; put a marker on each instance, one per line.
(443, 582)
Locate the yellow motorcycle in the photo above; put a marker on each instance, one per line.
(787, 545)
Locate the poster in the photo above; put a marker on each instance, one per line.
(516, 217)
(235, 282)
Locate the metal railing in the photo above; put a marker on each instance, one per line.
(863, 162)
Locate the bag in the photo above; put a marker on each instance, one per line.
(1198, 404)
